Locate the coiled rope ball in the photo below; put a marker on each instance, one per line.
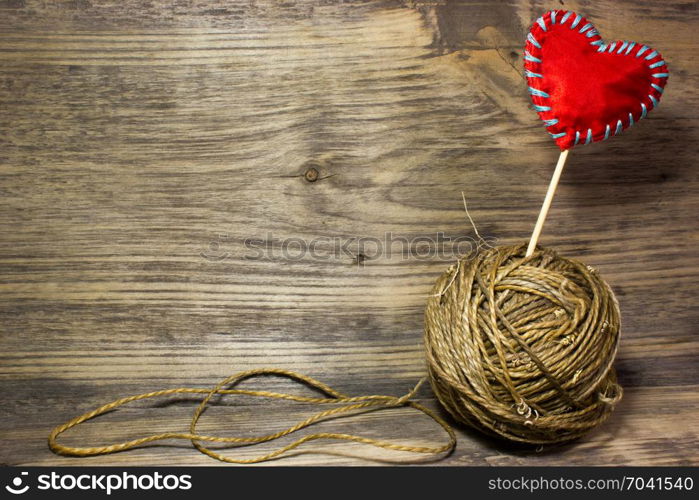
(522, 347)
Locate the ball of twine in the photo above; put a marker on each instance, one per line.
(522, 347)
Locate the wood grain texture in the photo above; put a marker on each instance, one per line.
(142, 144)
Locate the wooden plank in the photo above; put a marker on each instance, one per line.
(142, 145)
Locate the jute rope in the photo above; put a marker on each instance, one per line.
(522, 347)
(351, 404)
(519, 347)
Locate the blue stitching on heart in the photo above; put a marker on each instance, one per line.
(590, 31)
(538, 92)
(529, 57)
(531, 38)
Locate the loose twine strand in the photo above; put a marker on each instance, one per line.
(352, 404)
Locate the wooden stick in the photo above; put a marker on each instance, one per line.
(547, 202)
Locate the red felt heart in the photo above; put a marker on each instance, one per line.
(586, 90)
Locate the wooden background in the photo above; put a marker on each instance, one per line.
(141, 144)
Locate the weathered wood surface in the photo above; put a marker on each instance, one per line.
(142, 143)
